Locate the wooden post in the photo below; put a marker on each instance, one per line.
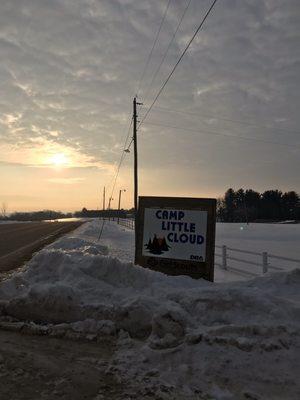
(224, 257)
(265, 262)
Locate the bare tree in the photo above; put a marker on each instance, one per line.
(3, 210)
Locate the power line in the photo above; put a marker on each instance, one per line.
(127, 135)
(249, 123)
(222, 134)
(177, 63)
(114, 180)
(225, 119)
(130, 143)
(168, 48)
(153, 46)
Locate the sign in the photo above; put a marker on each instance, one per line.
(179, 234)
(176, 235)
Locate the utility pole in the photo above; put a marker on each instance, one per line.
(135, 103)
(104, 198)
(135, 174)
(135, 158)
(110, 199)
(119, 206)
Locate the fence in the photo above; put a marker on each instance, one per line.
(128, 222)
(228, 254)
(263, 264)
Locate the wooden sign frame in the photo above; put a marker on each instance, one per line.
(171, 266)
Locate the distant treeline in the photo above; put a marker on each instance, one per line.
(36, 215)
(85, 213)
(236, 206)
(249, 205)
(50, 215)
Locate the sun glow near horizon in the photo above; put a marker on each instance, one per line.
(59, 160)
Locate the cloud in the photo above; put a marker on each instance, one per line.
(69, 70)
(66, 181)
(49, 166)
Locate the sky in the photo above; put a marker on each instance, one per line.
(228, 117)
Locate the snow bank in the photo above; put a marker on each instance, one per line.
(170, 330)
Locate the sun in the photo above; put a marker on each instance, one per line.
(59, 160)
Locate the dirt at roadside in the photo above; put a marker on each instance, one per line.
(39, 367)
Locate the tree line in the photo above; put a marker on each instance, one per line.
(34, 215)
(53, 215)
(250, 206)
(236, 206)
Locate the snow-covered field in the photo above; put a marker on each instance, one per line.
(276, 239)
(175, 337)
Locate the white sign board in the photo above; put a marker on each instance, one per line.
(177, 234)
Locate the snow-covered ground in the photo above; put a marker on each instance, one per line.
(175, 336)
(275, 239)
(279, 240)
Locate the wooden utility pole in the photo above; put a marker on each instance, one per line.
(135, 170)
(136, 193)
(104, 198)
(135, 158)
(119, 206)
(108, 208)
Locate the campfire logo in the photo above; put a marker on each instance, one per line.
(157, 245)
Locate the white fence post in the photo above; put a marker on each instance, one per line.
(224, 257)
(265, 262)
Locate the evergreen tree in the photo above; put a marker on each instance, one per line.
(271, 205)
(164, 245)
(229, 201)
(249, 205)
(156, 246)
(291, 205)
(149, 245)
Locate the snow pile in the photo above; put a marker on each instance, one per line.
(170, 330)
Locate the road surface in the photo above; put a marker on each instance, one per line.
(43, 368)
(19, 241)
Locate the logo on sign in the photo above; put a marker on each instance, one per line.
(157, 246)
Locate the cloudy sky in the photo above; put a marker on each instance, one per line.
(69, 69)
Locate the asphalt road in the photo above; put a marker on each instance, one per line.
(19, 241)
